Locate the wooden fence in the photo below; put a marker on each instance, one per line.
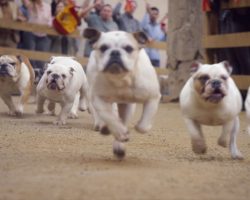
(212, 40)
(44, 56)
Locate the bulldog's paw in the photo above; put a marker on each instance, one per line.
(222, 142)
(236, 155)
(72, 115)
(59, 122)
(119, 149)
(122, 137)
(199, 146)
(104, 130)
(142, 129)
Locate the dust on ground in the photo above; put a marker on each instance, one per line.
(39, 160)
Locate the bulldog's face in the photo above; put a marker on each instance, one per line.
(58, 76)
(9, 66)
(116, 51)
(211, 81)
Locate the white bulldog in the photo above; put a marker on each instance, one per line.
(119, 71)
(247, 106)
(16, 76)
(64, 81)
(210, 97)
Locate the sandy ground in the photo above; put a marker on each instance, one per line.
(39, 160)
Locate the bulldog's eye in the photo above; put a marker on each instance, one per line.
(13, 63)
(49, 72)
(128, 48)
(204, 78)
(224, 78)
(103, 48)
(63, 76)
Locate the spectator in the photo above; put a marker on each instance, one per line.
(8, 11)
(155, 32)
(102, 22)
(39, 13)
(126, 21)
(23, 16)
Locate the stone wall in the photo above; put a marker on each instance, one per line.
(184, 42)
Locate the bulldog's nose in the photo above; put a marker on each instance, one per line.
(115, 53)
(55, 76)
(216, 84)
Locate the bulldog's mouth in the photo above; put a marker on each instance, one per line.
(115, 67)
(54, 86)
(216, 96)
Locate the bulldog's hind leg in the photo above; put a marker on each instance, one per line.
(197, 139)
(83, 98)
(40, 103)
(109, 117)
(235, 153)
(23, 98)
(149, 110)
(61, 120)
(52, 108)
(226, 129)
(126, 111)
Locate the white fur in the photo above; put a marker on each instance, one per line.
(138, 85)
(196, 111)
(247, 106)
(76, 87)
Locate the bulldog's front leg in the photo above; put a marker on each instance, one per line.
(9, 102)
(235, 153)
(149, 110)
(40, 103)
(197, 139)
(66, 106)
(109, 117)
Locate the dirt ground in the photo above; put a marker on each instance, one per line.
(39, 160)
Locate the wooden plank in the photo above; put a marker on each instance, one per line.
(242, 81)
(226, 40)
(158, 45)
(232, 4)
(24, 26)
(37, 55)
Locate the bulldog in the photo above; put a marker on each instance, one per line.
(210, 97)
(120, 73)
(247, 106)
(64, 82)
(16, 76)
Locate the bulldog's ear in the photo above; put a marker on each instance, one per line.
(91, 34)
(19, 58)
(141, 37)
(228, 67)
(71, 71)
(195, 66)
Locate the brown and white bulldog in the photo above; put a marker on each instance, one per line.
(210, 97)
(16, 75)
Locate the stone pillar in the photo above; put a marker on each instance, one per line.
(184, 42)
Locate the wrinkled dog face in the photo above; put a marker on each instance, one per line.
(58, 76)
(211, 81)
(116, 51)
(8, 66)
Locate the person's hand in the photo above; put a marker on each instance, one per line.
(98, 3)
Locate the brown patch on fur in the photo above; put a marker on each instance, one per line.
(199, 86)
(28, 89)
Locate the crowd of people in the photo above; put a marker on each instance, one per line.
(96, 13)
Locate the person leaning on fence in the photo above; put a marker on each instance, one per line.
(102, 22)
(155, 31)
(8, 11)
(126, 21)
(39, 13)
